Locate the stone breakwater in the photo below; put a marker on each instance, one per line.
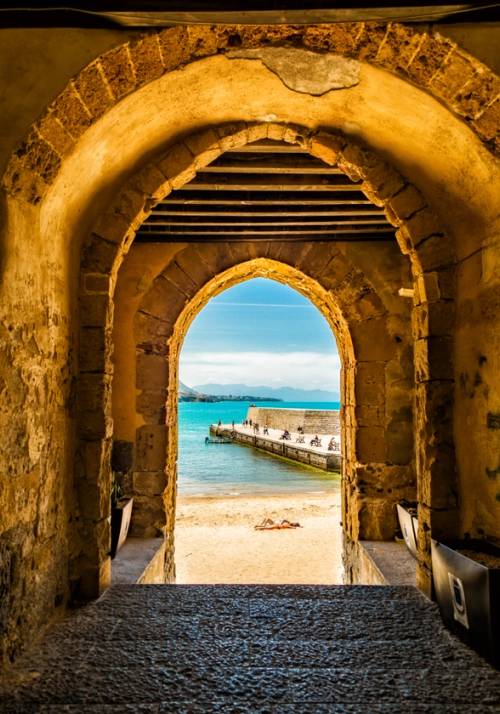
(319, 457)
(312, 421)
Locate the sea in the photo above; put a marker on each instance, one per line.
(235, 469)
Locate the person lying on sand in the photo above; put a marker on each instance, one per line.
(269, 525)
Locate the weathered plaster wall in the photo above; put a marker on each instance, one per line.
(37, 379)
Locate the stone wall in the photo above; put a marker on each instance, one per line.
(312, 421)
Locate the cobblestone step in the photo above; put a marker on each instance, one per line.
(252, 649)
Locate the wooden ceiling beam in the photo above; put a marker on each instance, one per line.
(228, 213)
(175, 199)
(283, 238)
(270, 168)
(173, 230)
(271, 183)
(270, 224)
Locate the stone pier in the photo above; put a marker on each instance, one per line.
(319, 457)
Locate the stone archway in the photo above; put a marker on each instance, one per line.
(419, 234)
(410, 108)
(377, 460)
(431, 61)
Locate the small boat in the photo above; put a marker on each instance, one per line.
(217, 440)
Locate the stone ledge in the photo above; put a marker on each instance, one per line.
(139, 561)
(371, 562)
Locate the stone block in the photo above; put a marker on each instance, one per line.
(71, 112)
(51, 129)
(201, 41)
(440, 524)
(377, 519)
(174, 47)
(149, 483)
(488, 123)
(399, 438)
(433, 358)
(94, 392)
(94, 354)
(178, 165)
(477, 94)
(180, 280)
(370, 444)
(191, 263)
(326, 147)
(93, 90)
(152, 182)
(149, 517)
(98, 256)
(163, 301)
(275, 131)
(339, 38)
(453, 74)
(112, 227)
(146, 59)
(372, 341)
(434, 319)
(94, 502)
(383, 477)
(216, 262)
(370, 40)
(434, 408)
(38, 156)
(437, 251)
(292, 133)
(151, 448)
(204, 146)
(232, 135)
(122, 456)
(407, 202)
(384, 181)
(369, 415)
(95, 457)
(95, 425)
(117, 67)
(370, 383)
(151, 372)
(399, 47)
(437, 485)
(96, 283)
(96, 311)
(22, 183)
(149, 329)
(432, 53)
(255, 131)
(423, 224)
(130, 204)
(151, 405)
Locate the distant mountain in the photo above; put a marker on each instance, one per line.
(185, 391)
(188, 394)
(287, 394)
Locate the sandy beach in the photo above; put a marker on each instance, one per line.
(215, 539)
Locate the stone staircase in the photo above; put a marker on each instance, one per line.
(174, 648)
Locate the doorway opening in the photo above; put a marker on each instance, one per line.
(259, 381)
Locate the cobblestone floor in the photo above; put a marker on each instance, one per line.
(307, 649)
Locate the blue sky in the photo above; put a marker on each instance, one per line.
(260, 332)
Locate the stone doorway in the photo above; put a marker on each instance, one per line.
(266, 336)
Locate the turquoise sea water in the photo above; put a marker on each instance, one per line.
(233, 469)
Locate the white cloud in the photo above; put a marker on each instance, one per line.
(306, 370)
